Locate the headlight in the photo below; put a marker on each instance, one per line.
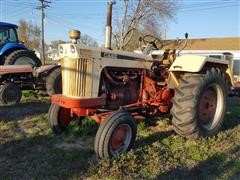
(60, 49)
(72, 49)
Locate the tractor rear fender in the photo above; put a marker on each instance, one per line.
(8, 49)
(11, 47)
(196, 64)
(45, 70)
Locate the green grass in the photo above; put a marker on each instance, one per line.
(29, 149)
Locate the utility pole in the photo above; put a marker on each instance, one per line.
(43, 5)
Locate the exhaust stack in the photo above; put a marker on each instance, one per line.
(108, 33)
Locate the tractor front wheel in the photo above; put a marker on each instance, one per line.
(115, 135)
(10, 94)
(199, 105)
(59, 118)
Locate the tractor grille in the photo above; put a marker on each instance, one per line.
(77, 77)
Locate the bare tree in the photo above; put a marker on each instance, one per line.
(141, 16)
(29, 34)
(85, 39)
(88, 41)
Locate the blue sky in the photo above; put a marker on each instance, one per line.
(207, 19)
(201, 19)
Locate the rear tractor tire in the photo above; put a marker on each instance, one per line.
(199, 104)
(23, 57)
(54, 82)
(59, 118)
(115, 135)
(10, 94)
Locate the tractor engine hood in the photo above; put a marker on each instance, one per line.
(82, 67)
(76, 51)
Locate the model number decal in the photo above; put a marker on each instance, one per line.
(108, 55)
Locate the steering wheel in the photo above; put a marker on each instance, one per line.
(150, 39)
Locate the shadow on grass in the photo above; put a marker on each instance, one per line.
(38, 158)
(222, 165)
(22, 110)
(152, 138)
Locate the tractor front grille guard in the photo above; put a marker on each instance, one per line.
(77, 77)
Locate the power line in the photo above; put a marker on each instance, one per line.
(210, 8)
(68, 17)
(57, 22)
(211, 3)
(67, 22)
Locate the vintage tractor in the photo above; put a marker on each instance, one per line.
(15, 78)
(21, 69)
(12, 51)
(113, 87)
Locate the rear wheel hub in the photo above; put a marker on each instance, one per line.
(208, 104)
(210, 107)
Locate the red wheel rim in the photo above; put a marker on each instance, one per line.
(207, 105)
(121, 138)
(64, 117)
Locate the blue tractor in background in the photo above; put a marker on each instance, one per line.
(12, 51)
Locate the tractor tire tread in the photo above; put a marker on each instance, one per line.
(105, 131)
(185, 102)
(11, 58)
(52, 81)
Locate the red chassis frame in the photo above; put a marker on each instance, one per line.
(160, 101)
(80, 107)
(88, 107)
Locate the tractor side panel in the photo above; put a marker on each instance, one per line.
(99, 64)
